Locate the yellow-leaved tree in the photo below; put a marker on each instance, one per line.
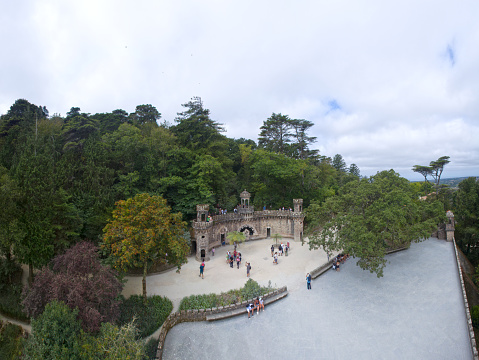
(142, 230)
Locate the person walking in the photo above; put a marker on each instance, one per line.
(202, 269)
(308, 281)
(272, 250)
(238, 261)
(248, 269)
(213, 252)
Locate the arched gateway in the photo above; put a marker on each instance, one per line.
(211, 232)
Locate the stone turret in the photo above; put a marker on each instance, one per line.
(298, 205)
(245, 207)
(202, 212)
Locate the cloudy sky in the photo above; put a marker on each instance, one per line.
(388, 84)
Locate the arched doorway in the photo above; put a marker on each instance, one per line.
(247, 230)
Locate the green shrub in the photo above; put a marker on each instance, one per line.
(475, 316)
(55, 334)
(148, 318)
(10, 341)
(10, 302)
(250, 290)
(151, 347)
(10, 272)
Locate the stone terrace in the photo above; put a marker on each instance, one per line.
(415, 311)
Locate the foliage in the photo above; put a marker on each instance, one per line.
(475, 316)
(54, 334)
(79, 280)
(115, 342)
(142, 230)
(434, 170)
(236, 237)
(250, 290)
(11, 302)
(466, 216)
(276, 236)
(151, 347)
(371, 216)
(148, 317)
(275, 134)
(10, 341)
(9, 271)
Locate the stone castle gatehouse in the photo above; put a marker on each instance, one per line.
(254, 224)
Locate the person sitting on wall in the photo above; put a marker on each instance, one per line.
(256, 305)
(249, 309)
(261, 303)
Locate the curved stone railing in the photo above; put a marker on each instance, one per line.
(200, 315)
(466, 306)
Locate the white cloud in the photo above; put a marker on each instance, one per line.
(404, 73)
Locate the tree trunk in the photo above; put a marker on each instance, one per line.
(144, 282)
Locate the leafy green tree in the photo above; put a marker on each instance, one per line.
(77, 129)
(47, 219)
(109, 122)
(145, 114)
(10, 230)
(235, 237)
(15, 126)
(370, 217)
(434, 170)
(424, 171)
(275, 134)
(116, 342)
(339, 164)
(143, 230)
(301, 140)
(354, 170)
(467, 217)
(55, 334)
(437, 167)
(276, 236)
(276, 178)
(196, 131)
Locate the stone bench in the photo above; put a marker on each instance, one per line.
(242, 309)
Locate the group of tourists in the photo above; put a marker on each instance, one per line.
(232, 257)
(340, 259)
(257, 305)
(282, 249)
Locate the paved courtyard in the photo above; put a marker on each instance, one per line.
(415, 311)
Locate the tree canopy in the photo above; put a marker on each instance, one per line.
(370, 217)
(79, 280)
(467, 217)
(143, 229)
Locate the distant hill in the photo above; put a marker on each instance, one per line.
(453, 182)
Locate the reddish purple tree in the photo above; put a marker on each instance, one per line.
(79, 280)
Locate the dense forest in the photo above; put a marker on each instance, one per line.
(61, 176)
(70, 188)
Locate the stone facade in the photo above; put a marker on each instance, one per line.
(211, 232)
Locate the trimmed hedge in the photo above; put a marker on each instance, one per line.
(250, 290)
(149, 318)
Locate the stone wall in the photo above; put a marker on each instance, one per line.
(289, 224)
(200, 315)
(466, 306)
